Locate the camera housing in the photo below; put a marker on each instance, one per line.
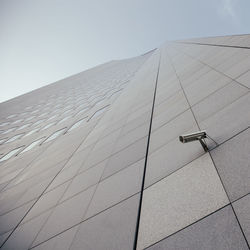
(197, 136)
(193, 136)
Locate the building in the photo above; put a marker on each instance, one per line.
(94, 161)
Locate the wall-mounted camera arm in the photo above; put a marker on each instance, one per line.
(197, 136)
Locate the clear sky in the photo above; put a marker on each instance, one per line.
(42, 41)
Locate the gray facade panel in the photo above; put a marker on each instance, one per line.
(217, 231)
(232, 160)
(111, 230)
(242, 208)
(96, 163)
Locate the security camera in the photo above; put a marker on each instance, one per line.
(197, 136)
(193, 136)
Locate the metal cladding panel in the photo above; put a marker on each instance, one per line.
(102, 166)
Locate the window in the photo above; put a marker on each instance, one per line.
(56, 111)
(9, 130)
(77, 124)
(46, 108)
(29, 118)
(82, 111)
(121, 84)
(98, 112)
(54, 135)
(68, 107)
(37, 122)
(67, 111)
(32, 145)
(100, 101)
(3, 124)
(114, 93)
(15, 138)
(92, 98)
(44, 114)
(31, 132)
(11, 153)
(58, 105)
(2, 140)
(52, 117)
(48, 126)
(36, 110)
(17, 121)
(10, 116)
(64, 119)
(24, 126)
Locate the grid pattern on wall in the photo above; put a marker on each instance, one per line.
(94, 161)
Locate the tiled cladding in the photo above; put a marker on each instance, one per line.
(242, 207)
(113, 229)
(179, 200)
(219, 230)
(232, 160)
(78, 170)
(82, 189)
(244, 79)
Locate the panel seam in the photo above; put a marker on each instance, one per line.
(217, 45)
(146, 157)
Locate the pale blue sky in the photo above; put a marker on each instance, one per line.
(42, 41)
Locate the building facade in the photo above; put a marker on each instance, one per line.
(94, 161)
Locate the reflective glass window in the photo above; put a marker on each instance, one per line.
(2, 140)
(82, 111)
(3, 124)
(34, 111)
(9, 130)
(32, 145)
(52, 117)
(11, 153)
(77, 124)
(14, 138)
(48, 126)
(29, 118)
(24, 126)
(64, 119)
(54, 135)
(31, 132)
(98, 112)
(10, 116)
(37, 122)
(44, 114)
(17, 121)
(66, 112)
(100, 101)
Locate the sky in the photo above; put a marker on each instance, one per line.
(42, 41)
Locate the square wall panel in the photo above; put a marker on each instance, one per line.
(219, 230)
(116, 188)
(228, 121)
(170, 158)
(244, 79)
(242, 208)
(218, 100)
(112, 229)
(179, 200)
(65, 215)
(60, 242)
(232, 159)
